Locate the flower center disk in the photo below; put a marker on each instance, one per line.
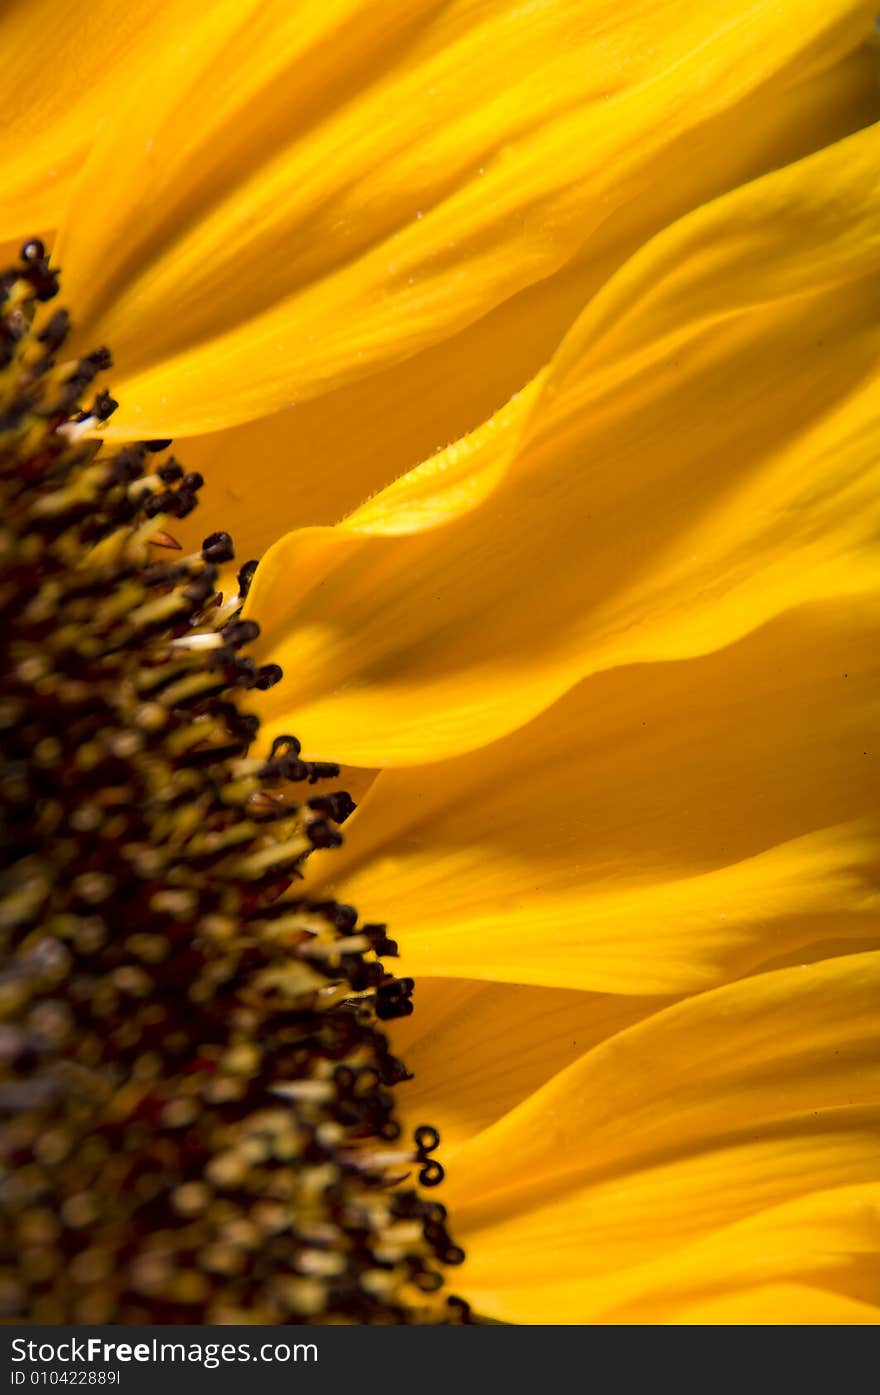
(198, 1093)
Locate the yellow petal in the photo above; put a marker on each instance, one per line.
(781, 1305)
(660, 828)
(728, 1140)
(363, 182)
(830, 1238)
(266, 476)
(704, 453)
(318, 461)
(67, 69)
(477, 1049)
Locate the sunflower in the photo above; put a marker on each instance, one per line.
(603, 666)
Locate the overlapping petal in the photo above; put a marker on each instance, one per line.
(722, 1145)
(702, 455)
(67, 69)
(659, 829)
(781, 1305)
(364, 181)
(831, 1237)
(319, 461)
(477, 1050)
